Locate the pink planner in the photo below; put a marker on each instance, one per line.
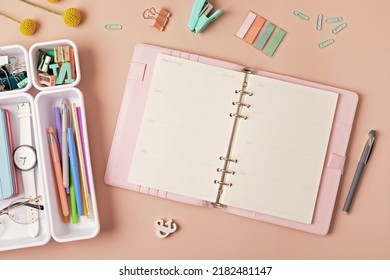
(129, 129)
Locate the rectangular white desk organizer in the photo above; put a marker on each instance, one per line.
(15, 236)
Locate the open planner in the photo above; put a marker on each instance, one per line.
(216, 134)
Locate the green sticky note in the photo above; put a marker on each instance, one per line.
(265, 36)
(275, 42)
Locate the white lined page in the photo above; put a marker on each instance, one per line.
(185, 127)
(281, 149)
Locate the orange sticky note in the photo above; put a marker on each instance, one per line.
(254, 30)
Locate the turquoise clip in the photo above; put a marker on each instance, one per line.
(200, 18)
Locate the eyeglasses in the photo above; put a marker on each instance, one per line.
(16, 210)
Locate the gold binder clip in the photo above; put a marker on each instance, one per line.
(159, 17)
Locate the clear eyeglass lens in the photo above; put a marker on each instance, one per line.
(19, 210)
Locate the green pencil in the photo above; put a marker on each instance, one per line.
(73, 204)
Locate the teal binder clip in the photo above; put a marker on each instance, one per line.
(200, 17)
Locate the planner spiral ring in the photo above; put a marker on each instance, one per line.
(238, 116)
(225, 171)
(241, 104)
(222, 183)
(244, 92)
(228, 159)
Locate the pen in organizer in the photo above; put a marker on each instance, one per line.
(73, 203)
(80, 154)
(53, 144)
(65, 112)
(75, 171)
(80, 119)
(57, 117)
(359, 170)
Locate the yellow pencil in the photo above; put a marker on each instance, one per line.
(84, 183)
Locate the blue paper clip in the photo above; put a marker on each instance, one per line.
(200, 18)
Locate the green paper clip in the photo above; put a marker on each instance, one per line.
(334, 20)
(338, 28)
(301, 15)
(325, 43)
(319, 22)
(113, 26)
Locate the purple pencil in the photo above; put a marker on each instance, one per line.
(57, 117)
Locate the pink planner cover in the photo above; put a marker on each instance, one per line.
(130, 116)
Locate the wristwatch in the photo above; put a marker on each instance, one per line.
(25, 159)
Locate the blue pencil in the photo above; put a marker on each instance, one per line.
(75, 171)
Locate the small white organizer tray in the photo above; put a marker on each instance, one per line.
(51, 225)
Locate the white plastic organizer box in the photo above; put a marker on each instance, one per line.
(82, 220)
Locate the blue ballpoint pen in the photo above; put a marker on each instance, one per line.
(75, 171)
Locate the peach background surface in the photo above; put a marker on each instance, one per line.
(358, 61)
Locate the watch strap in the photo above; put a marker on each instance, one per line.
(24, 116)
(28, 177)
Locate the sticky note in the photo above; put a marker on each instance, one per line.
(246, 25)
(254, 30)
(265, 36)
(275, 42)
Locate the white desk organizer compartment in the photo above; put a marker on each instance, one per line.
(61, 232)
(50, 45)
(13, 235)
(19, 52)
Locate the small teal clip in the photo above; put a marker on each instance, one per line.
(113, 26)
(200, 18)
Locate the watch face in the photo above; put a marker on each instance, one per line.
(25, 157)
